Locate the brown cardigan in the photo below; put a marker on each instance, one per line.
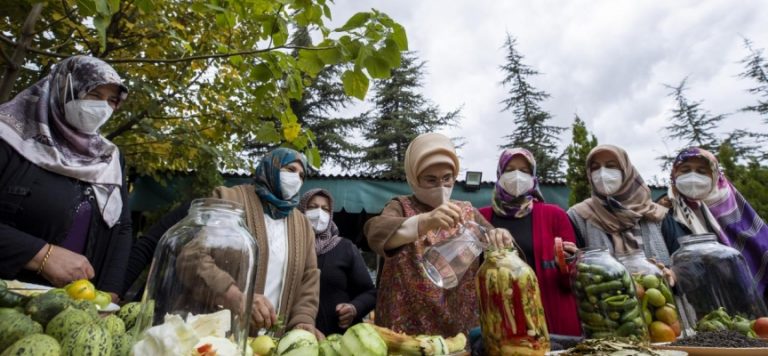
(301, 284)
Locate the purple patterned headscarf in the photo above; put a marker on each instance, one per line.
(738, 223)
(33, 124)
(328, 239)
(507, 205)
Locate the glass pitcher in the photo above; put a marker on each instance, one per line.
(200, 284)
(446, 261)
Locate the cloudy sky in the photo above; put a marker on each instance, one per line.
(607, 60)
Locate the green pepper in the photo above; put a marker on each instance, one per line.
(603, 287)
(664, 289)
(586, 306)
(591, 318)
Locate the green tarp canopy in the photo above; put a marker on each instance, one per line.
(353, 194)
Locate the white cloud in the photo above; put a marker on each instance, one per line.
(606, 60)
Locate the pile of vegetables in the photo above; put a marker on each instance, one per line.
(658, 307)
(53, 323)
(720, 320)
(608, 305)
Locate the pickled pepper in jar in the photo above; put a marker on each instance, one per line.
(511, 313)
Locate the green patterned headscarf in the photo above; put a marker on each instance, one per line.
(267, 181)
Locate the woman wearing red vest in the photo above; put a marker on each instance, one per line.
(519, 207)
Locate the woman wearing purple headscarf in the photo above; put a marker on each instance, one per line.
(63, 196)
(518, 206)
(704, 201)
(347, 292)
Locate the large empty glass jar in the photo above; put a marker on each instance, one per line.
(200, 285)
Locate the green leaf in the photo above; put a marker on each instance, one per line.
(86, 8)
(114, 6)
(377, 67)
(391, 53)
(310, 63)
(236, 60)
(280, 36)
(268, 133)
(261, 72)
(313, 157)
(355, 21)
(355, 83)
(145, 5)
(102, 7)
(399, 36)
(330, 56)
(101, 23)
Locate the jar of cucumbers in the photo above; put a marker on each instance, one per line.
(608, 304)
(657, 304)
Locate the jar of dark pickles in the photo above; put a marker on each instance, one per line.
(711, 275)
(608, 304)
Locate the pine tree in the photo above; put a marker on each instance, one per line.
(757, 69)
(690, 123)
(530, 129)
(400, 114)
(577, 151)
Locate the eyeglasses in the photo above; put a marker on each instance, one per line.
(432, 181)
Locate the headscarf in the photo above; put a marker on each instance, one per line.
(735, 221)
(505, 204)
(267, 181)
(327, 239)
(426, 150)
(33, 124)
(618, 214)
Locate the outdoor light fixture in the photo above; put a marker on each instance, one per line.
(472, 180)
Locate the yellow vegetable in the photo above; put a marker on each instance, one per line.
(81, 289)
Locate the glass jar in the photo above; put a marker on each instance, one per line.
(200, 284)
(657, 303)
(608, 304)
(711, 275)
(511, 314)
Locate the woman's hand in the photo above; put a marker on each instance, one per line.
(346, 313)
(499, 238)
(311, 328)
(262, 312)
(62, 266)
(570, 248)
(232, 298)
(445, 216)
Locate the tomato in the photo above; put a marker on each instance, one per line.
(81, 289)
(760, 327)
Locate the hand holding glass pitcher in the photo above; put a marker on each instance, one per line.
(448, 216)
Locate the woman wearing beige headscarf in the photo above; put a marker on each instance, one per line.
(407, 301)
(620, 215)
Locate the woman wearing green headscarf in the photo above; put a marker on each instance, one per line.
(287, 277)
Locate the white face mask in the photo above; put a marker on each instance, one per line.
(516, 183)
(693, 185)
(433, 197)
(606, 181)
(87, 116)
(290, 183)
(319, 219)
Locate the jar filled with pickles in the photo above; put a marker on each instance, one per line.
(657, 303)
(511, 313)
(713, 278)
(608, 304)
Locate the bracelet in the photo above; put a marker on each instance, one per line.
(45, 259)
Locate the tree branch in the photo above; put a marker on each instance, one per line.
(33, 49)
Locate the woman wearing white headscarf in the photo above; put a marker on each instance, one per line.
(63, 197)
(407, 301)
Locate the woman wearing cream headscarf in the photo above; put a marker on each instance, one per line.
(407, 301)
(620, 215)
